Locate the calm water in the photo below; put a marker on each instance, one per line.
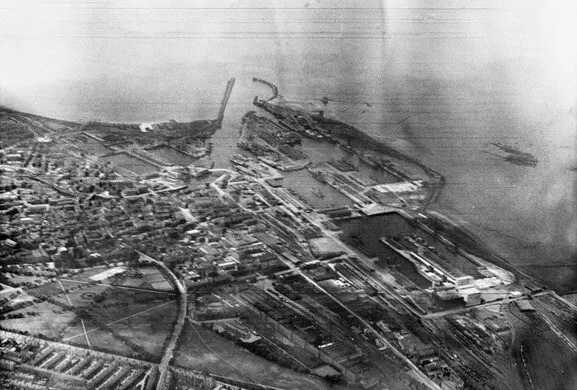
(365, 234)
(438, 79)
(303, 183)
(171, 155)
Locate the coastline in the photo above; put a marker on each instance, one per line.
(65, 122)
(466, 232)
(468, 235)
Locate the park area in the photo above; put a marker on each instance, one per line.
(41, 318)
(149, 278)
(122, 320)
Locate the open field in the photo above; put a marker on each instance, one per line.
(149, 278)
(99, 339)
(149, 329)
(104, 341)
(145, 326)
(50, 321)
(109, 303)
(85, 274)
(109, 314)
(74, 334)
(113, 295)
(117, 295)
(204, 350)
(47, 290)
(80, 295)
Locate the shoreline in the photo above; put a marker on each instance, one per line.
(451, 224)
(215, 123)
(369, 142)
(366, 141)
(65, 122)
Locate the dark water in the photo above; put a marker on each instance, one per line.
(438, 79)
(303, 183)
(365, 234)
(171, 155)
(322, 152)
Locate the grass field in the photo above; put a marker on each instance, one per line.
(85, 274)
(204, 350)
(116, 304)
(103, 340)
(75, 333)
(79, 294)
(144, 325)
(149, 329)
(99, 339)
(51, 320)
(118, 294)
(113, 314)
(142, 317)
(146, 278)
(47, 290)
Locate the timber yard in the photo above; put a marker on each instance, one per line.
(130, 260)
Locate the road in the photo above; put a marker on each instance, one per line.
(81, 320)
(183, 303)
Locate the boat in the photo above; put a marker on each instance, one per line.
(368, 159)
(513, 155)
(317, 192)
(347, 148)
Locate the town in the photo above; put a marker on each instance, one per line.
(131, 261)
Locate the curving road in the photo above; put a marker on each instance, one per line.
(182, 306)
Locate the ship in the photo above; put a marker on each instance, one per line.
(318, 175)
(368, 159)
(347, 148)
(522, 159)
(317, 192)
(507, 148)
(513, 155)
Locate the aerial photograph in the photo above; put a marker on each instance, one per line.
(288, 195)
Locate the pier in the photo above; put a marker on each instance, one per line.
(268, 83)
(227, 92)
